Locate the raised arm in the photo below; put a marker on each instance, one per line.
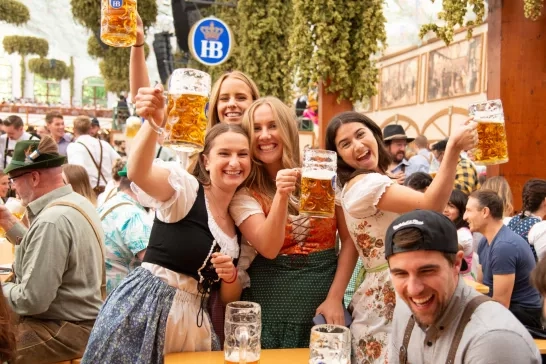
(150, 178)
(267, 234)
(138, 71)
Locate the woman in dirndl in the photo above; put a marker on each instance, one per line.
(297, 273)
(160, 307)
(370, 202)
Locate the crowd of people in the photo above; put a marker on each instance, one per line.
(124, 261)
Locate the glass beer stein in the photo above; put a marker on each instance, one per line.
(318, 183)
(492, 146)
(118, 23)
(187, 108)
(243, 330)
(17, 209)
(132, 126)
(330, 344)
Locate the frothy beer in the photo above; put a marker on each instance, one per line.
(118, 25)
(492, 147)
(186, 122)
(233, 358)
(317, 193)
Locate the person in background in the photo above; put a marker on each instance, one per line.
(311, 113)
(77, 177)
(533, 209)
(112, 186)
(454, 211)
(7, 332)
(55, 126)
(466, 177)
(420, 162)
(396, 141)
(537, 238)
(500, 185)
(94, 130)
(127, 229)
(14, 131)
(4, 186)
(41, 130)
(424, 262)
(505, 260)
(418, 181)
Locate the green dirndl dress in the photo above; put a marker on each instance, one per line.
(289, 289)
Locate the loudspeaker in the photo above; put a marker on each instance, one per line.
(185, 14)
(163, 55)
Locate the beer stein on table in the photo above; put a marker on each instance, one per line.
(318, 183)
(187, 108)
(492, 146)
(330, 344)
(243, 330)
(118, 23)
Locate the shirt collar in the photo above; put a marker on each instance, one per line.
(36, 206)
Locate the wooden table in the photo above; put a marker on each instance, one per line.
(541, 345)
(273, 356)
(482, 288)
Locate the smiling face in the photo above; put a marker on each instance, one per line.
(56, 128)
(425, 280)
(268, 146)
(451, 211)
(357, 146)
(4, 186)
(397, 148)
(234, 98)
(228, 161)
(475, 215)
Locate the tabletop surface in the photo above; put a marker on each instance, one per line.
(482, 288)
(273, 356)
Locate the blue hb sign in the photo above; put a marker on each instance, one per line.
(116, 4)
(210, 41)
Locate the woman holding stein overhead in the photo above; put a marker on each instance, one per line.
(370, 202)
(297, 273)
(160, 307)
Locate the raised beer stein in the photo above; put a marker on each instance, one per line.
(318, 183)
(132, 126)
(330, 344)
(17, 209)
(243, 330)
(187, 108)
(492, 147)
(118, 23)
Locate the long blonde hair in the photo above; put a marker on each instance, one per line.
(259, 180)
(215, 94)
(500, 185)
(79, 179)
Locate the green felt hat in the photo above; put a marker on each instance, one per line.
(27, 156)
(123, 171)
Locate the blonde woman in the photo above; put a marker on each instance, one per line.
(77, 176)
(297, 273)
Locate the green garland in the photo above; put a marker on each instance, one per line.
(14, 12)
(114, 62)
(333, 41)
(23, 75)
(72, 79)
(25, 45)
(264, 31)
(49, 68)
(454, 11)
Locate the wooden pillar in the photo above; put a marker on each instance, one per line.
(516, 66)
(328, 108)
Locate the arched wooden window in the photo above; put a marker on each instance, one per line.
(94, 93)
(48, 91)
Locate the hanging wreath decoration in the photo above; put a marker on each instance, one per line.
(49, 68)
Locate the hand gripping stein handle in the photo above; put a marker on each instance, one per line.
(241, 335)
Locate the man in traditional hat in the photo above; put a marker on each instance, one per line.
(396, 141)
(59, 264)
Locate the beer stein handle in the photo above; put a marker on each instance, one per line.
(241, 335)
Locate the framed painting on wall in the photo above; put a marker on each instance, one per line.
(399, 84)
(456, 70)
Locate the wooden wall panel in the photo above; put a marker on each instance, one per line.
(517, 75)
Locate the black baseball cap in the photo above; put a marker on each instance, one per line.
(437, 231)
(95, 121)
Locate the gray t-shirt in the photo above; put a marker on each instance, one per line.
(493, 335)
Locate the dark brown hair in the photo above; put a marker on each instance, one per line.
(538, 277)
(14, 120)
(200, 171)
(344, 171)
(409, 237)
(489, 199)
(7, 332)
(534, 193)
(52, 115)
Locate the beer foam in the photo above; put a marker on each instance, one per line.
(485, 120)
(178, 93)
(323, 174)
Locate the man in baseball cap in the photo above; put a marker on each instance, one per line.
(95, 128)
(438, 318)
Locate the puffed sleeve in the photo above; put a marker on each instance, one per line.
(243, 205)
(361, 199)
(185, 193)
(248, 253)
